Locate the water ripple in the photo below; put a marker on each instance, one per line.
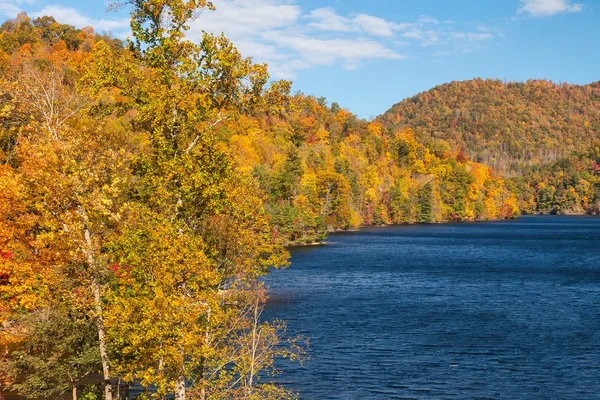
(507, 310)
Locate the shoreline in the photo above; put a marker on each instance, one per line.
(334, 231)
(360, 228)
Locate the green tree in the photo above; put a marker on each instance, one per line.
(58, 351)
(425, 203)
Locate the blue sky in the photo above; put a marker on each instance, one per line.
(368, 55)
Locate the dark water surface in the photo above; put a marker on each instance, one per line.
(501, 310)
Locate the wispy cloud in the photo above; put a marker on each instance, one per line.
(315, 51)
(472, 36)
(239, 18)
(326, 19)
(72, 16)
(291, 39)
(426, 37)
(426, 19)
(11, 8)
(376, 26)
(547, 8)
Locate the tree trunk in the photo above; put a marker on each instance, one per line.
(95, 287)
(74, 389)
(102, 341)
(255, 348)
(180, 388)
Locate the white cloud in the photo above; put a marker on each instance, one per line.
(547, 8)
(463, 42)
(472, 36)
(291, 38)
(374, 25)
(245, 17)
(72, 16)
(327, 51)
(326, 19)
(425, 37)
(413, 35)
(8, 9)
(426, 19)
(11, 8)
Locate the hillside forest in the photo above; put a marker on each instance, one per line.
(146, 186)
(544, 138)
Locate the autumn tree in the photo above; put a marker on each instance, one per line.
(197, 236)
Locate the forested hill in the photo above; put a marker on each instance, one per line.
(507, 126)
(321, 169)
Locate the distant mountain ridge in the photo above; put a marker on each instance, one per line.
(506, 125)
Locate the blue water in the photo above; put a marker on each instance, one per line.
(499, 310)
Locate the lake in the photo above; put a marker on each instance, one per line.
(486, 310)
